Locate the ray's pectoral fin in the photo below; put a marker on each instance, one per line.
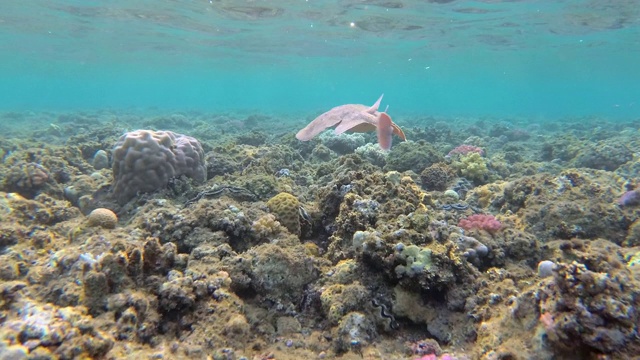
(398, 131)
(372, 110)
(348, 125)
(385, 131)
(363, 128)
(318, 125)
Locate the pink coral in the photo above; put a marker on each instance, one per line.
(481, 221)
(547, 321)
(428, 357)
(464, 150)
(435, 357)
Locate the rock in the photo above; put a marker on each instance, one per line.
(545, 268)
(100, 160)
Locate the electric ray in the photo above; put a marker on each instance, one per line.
(354, 118)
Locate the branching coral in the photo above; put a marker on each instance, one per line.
(472, 166)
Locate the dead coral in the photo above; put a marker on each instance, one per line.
(575, 203)
(26, 179)
(281, 273)
(415, 156)
(591, 308)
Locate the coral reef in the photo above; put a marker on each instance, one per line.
(471, 248)
(100, 160)
(603, 156)
(26, 179)
(310, 250)
(630, 198)
(437, 177)
(571, 204)
(589, 308)
(373, 154)
(343, 143)
(104, 218)
(415, 156)
(485, 222)
(267, 227)
(338, 300)
(45, 331)
(462, 150)
(545, 268)
(286, 208)
(281, 274)
(472, 166)
(145, 161)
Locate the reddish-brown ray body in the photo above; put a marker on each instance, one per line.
(353, 118)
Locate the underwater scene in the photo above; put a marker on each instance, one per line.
(307, 179)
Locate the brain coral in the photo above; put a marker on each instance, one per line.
(286, 207)
(145, 160)
(104, 218)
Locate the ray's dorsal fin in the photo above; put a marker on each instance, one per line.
(372, 110)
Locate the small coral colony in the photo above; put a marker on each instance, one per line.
(468, 239)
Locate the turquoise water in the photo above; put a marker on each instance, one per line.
(499, 58)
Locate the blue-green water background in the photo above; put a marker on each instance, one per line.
(511, 58)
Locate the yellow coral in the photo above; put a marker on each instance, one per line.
(311, 249)
(330, 300)
(286, 208)
(484, 194)
(337, 300)
(267, 226)
(414, 193)
(345, 271)
(472, 166)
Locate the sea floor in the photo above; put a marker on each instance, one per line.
(477, 238)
